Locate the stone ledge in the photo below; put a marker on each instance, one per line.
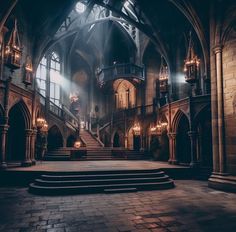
(222, 182)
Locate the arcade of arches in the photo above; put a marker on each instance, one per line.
(124, 72)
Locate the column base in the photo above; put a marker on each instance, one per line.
(26, 163)
(170, 161)
(222, 181)
(194, 165)
(3, 165)
(33, 162)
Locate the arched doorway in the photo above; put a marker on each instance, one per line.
(164, 145)
(125, 94)
(204, 139)
(16, 138)
(70, 141)
(116, 140)
(137, 142)
(134, 140)
(55, 139)
(183, 148)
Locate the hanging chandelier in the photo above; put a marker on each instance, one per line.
(13, 51)
(41, 124)
(191, 64)
(163, 77)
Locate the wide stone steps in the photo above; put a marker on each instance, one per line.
(56, 157)
(100, 181)
(102, 176)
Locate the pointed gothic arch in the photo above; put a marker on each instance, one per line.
(19, 122)
(55, 138)
(176, 119)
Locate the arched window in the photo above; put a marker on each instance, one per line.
(55, 77)
(49, 71)
(41, 76)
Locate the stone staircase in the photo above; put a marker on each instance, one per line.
(89, 140)
(95, 151)
(114, 181)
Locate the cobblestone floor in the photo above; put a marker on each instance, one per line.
(191, 206)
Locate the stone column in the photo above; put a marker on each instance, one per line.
(27, 161)
(127, 99)
(126, 141)
(221, 159)
(172, 144)
(193, 147)
(3, 135)
(170, 148)
(32, 146)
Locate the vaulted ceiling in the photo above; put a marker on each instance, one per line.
(164, 22)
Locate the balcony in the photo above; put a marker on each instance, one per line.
(117, 71)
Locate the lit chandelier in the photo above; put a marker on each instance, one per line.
(41, 124)
(163, 77)
(191, 64)
(13, 51)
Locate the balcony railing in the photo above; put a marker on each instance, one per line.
(121, 114)
(117, 71)
(57, 110)
(61, 112)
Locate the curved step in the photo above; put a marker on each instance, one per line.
(62, 190)
(101, 176)
(56, 183)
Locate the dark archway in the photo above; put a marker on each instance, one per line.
(164, 145)
(116, 140)
(16, 139)
(55, 139)
(183, 141)
(204, 139)
(137, 142)
(70, 141)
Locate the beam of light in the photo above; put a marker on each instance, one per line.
(68, 87)
(178, 77)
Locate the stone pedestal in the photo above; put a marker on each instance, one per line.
(193, 145)
(32, 147)
(27, 161)
(172, 145)
(3, 135)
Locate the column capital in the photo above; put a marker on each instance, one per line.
(217, 48)
(4, 127)
(28, 132)
(34, 131)
(172, 135)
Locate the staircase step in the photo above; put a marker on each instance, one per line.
(134, 174)
(100, 181)
(110, 181)
(120, 190)
(46, 190)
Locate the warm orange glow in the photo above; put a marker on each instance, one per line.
(77, 144)
(136, 129)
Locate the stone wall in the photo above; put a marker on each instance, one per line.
(229, 85)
